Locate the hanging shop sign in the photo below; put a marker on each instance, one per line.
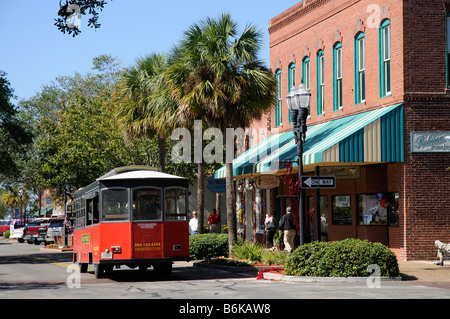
(341, 172)
(216, 185)
(430, 142)
(267, 181)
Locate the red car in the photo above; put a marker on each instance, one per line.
(4, 226)
(31, 232)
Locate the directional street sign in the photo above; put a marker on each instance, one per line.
(318, 182)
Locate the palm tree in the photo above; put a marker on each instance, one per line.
(146, 107)
(216, 75)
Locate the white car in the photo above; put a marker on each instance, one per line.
(16, 230)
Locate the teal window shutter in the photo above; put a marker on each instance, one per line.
(320, 83)
(337, 77)
(291, 82)
(360, 68)
(306, 68)
(385, 57)
(278, 99)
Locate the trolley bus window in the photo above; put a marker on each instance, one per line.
(176, 204)
(92, 208)
(147, 204)
(114, 205)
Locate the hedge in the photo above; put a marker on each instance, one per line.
(205, 246)
(346, 258)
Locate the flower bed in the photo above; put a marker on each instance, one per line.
(231, 261)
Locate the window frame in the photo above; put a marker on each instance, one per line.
(306, 76)
(161, 198)
(338, 99)
(337, 221)
(278, 99)
(320, 71)
(186, 216)
(291, 83)
(102, 208)
(360, 72)
(385, 64)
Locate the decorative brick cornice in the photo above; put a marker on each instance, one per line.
(294, 13)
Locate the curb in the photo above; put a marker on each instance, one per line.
(233, 269)
(279, 277)
(60, 250)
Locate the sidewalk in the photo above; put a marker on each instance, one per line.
(425, 271)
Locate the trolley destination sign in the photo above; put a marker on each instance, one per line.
(318, 182)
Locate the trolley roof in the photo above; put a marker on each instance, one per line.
(140, 174)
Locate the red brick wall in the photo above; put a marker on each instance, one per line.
(426, 184)
(320, 25)
(418, 79)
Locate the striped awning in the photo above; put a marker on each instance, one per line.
(374, 136)
(245, 163)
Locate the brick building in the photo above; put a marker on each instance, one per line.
(379, 75)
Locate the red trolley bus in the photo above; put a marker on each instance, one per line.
(133, 216)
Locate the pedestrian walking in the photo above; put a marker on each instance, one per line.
(271, 228)
(193, 224)
(287, 226)
(214, 222)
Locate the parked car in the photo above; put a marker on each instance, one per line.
(55, 228)
(16, 230)
(4, 226)
(31, 232)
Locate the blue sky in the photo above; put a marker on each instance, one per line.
(33, 51)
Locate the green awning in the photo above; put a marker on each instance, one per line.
(245, 163)
(374, 136)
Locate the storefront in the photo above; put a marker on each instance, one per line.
(365, 154)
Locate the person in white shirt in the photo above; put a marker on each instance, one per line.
(193, 224)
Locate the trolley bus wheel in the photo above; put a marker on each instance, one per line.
(143, 268)
(99, 271)
(83, 268)
(163, 270)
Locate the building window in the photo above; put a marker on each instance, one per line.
(306, 66)
(385, 58)
(278, 99)
(341, 213)
(320, 83)
(291, 82)
(337, 77)
(378, 209)
(360, 68)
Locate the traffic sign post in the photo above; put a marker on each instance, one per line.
(318, 182)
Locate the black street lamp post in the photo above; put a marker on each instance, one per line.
(298, 101)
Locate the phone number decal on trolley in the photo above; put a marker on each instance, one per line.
(147, 246)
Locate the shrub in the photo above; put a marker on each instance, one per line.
(276, 257)
(204, 246)
(346, 258)
(6, 234)
(248, 250)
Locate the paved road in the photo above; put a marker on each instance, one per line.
(27, 271)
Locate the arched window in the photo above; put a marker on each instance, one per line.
(278, 99)
(385, 57)
(360, 68)
(291, 82)
(306, 67)
(320, 82)
(338, 100)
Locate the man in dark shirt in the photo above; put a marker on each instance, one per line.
(288, 227)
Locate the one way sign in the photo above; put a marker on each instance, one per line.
(319, 182)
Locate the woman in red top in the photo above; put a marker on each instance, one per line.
(214, 222)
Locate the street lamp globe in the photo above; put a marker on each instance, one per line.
(298, 98)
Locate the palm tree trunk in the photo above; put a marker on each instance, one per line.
(200, 195)
(162, 153)
(231, 212)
